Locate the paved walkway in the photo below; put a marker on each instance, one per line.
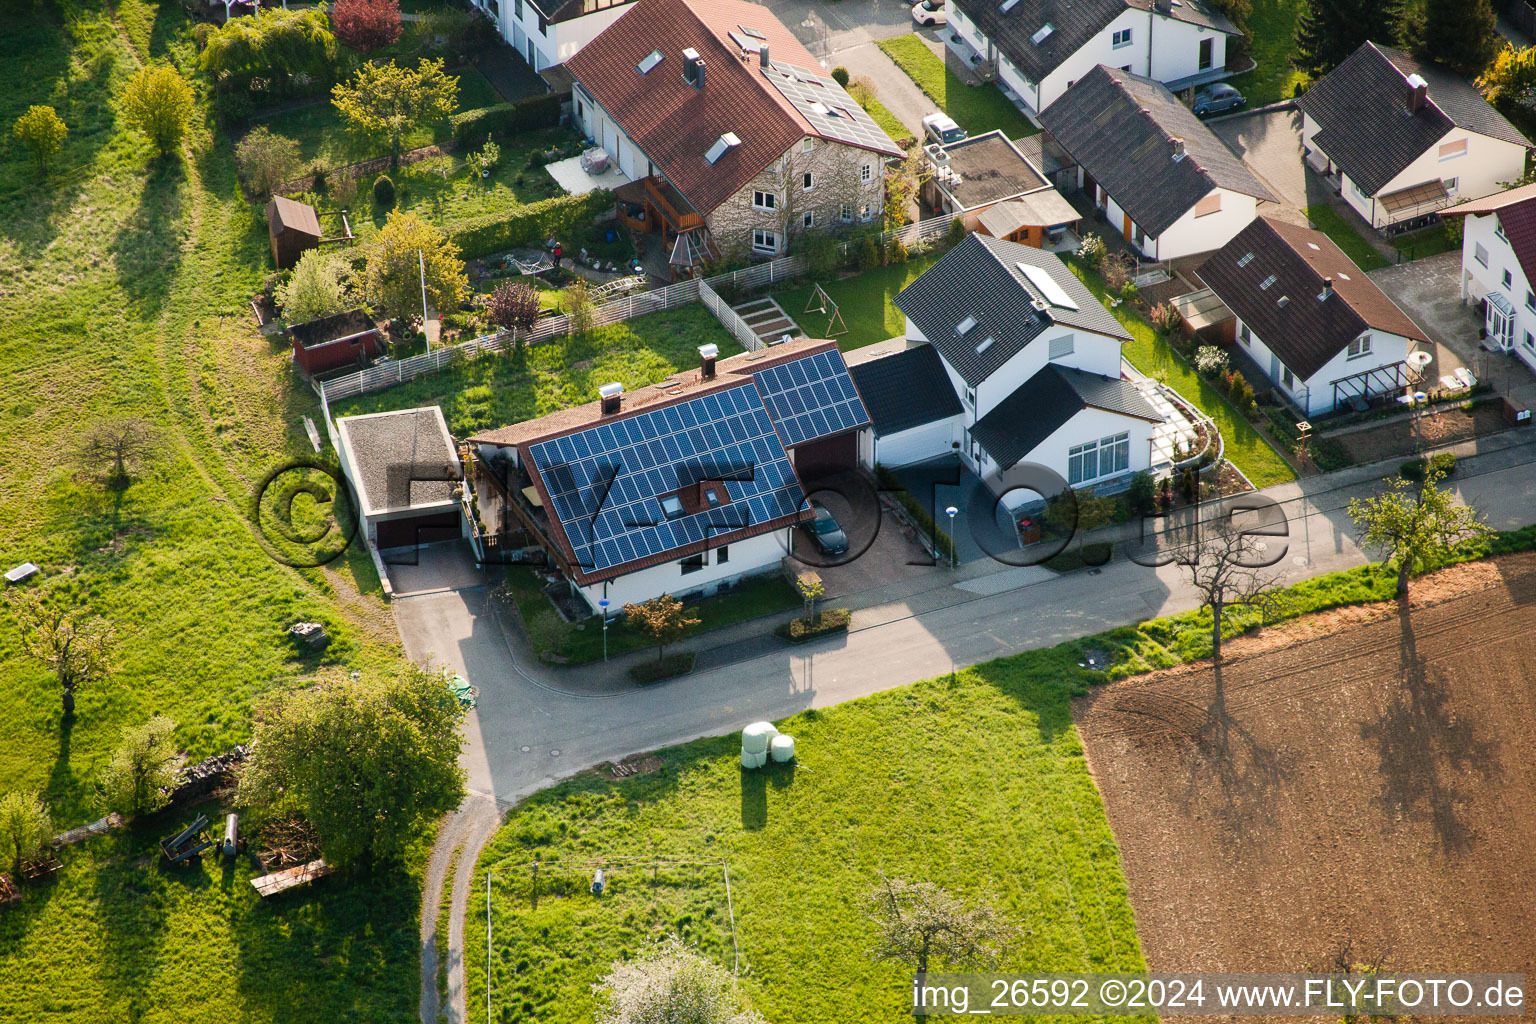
(899, 93)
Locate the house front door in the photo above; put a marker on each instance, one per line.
(1129, 227)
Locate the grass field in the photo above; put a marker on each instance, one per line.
(498, 390)
(1246, 448)
(977, 109)
(866, 301)
(123, 282)
(1331, 223)
(1273, 27)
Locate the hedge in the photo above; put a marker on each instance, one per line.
(528, 225)
(833, 620)
(470, 127)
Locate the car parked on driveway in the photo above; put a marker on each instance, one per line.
(825, 531)
(930, 12)
(941, 128)
(1218, 99)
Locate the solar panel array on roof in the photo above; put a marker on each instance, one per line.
(811, 397)
(816, 97)
(606, 483)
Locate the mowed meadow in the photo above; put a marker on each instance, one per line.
(123, 283)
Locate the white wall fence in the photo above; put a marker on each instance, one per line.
(391, 372)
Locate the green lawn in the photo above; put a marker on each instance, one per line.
(498, 390)
(1331, 223)
(866, 301)
(1246, 448)
(123, 284)
(977, 109)
(1273, 26)
(1429, 242)
(881, 114)
(553, 635)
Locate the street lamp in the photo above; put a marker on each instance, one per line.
(951, 512)
(602, 604)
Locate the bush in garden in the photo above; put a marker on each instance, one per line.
(1092, 251)
(1210, 360)
(869, 253)
(366, 25)
(956, 231)
(840, 76)
(896, 252)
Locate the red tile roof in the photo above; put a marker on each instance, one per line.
(1516, 210)
(675, 124)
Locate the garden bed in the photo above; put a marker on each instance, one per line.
(810, 627)
(1399, 438)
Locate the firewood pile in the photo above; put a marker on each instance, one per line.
(289, 841)
(198, 780)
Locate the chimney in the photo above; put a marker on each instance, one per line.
(1418, 93)
(693, 68)
(762, 54)
(707, 354)
(611, 396)
(1327, 290)
(1178, 149)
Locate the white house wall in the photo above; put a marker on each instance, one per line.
(1477, 280)
(1092, 353)
(747, 558)
(1087, 425)
(558, 42)
(1314, 395)
(1190, 234)
(928, 441)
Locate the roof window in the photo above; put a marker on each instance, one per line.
(1247, 259)
(1045, 30)
(985, 344)
(1283, 301)
(650, 61)
(671, 506)
(1264, 284)
(965, 326)
(722, 144)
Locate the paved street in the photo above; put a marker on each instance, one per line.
(829, 28)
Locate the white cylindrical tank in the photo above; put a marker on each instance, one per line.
(783, 748)
(757, 736)
(753, 759)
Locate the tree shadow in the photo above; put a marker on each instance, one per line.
(147, 250)
(754, 799)
(1426, 750)
(1244, 771)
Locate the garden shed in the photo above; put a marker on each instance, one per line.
(341, 339)
(294, 228)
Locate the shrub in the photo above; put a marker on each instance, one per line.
(1141, 495)
(830, 620)
(672, 665)
(528, 225)
(822, 257)
(41, 133)
(1413, 470)
(1210, 361)
(276, 52)
(24, 827)
(1129, 291)
(384, 191)
(1092, 251)
(366, 25)
(484, 161)
(896, 252)
(1163, 316)
(143, 769)
(158, 102)
(503, 119)
(265, 160)
(956, 231)
(319, 286)
(840, 76)
(869, 253)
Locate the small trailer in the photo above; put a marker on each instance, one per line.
(187, 843)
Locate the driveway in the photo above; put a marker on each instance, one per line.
(1269, 143)
(827, 29)
(898, 92)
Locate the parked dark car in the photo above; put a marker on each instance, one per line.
(1217, 99)
(825, 531)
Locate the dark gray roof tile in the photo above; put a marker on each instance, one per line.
(905, 389)
(1022, 421)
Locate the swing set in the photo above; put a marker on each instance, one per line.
(820, 302)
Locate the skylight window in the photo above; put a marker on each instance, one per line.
(1343, 277)
(1314, 247)
(1283, 301)
(671, 506)
(1264, 284)
(722, 144)
(1042, 35)
(1247, 259)
(749, 30)
(651, 60)
(965, 326)
(985, 344)
(1006, 6)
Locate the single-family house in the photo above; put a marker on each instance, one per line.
(1401, 139)
(1041, 47)
(1033, 360)
(996, 189)
(1326, 336)
(681, 487)
(1498, 267)
(550, 32)
(733, 136)
(1161, 178)
(405, 472)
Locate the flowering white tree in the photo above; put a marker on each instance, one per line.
(671, 984)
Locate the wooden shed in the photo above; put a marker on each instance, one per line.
(341, 339)
(294, 229)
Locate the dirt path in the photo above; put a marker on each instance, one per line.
(460, 839)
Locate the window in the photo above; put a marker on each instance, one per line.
(1452, 185)
(1452, 150)
(1061, 347)
(1361, 346)
(867, 212)
(1209, 205)
(517, 9)
(1245, 335)
(1530, 342)
(845, 213)
(581, 111)
(1498, 232)
(808, 219)
(1287, 378)
(867, 173)
(1104, 457)
(1121, 38)
(1530, 299)
(806, 145)
(1206, 47)
(1505, 278)
(543, 26)
(764, 201)
(806, 182)
(1358, 191)
(693, 563)
(970, 398)
(1480, 253)
(764, 240)
(671, 506)
(722, 554)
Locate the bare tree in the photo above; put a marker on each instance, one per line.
(121, 444)
(921, 923)
(1221, 557)
(75, 647)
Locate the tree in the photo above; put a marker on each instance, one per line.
(484, 161)
(365, 760)
(1219, 553)
(921, 924)
(366, 25)
(277, 52)
(389, 102)
(513, 306)
(1461, 34)
(662, 619)
(319, 286)
(41, 133)
(811, 590)
(576, 300)
(904, 185)
(395, 271)
(1328, 31)
(158, 102)
(143, 765)
(75, 647)
(119, 444)
(671, 984)
(24, 827)
(1511, 78)
(264, 160)
(1414, 528)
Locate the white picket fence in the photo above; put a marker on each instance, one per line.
(761, 275)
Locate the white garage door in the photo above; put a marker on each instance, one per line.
(925, 442)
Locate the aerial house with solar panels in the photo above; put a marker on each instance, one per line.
(733, 137)
(1033, 363)
(681, 487)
